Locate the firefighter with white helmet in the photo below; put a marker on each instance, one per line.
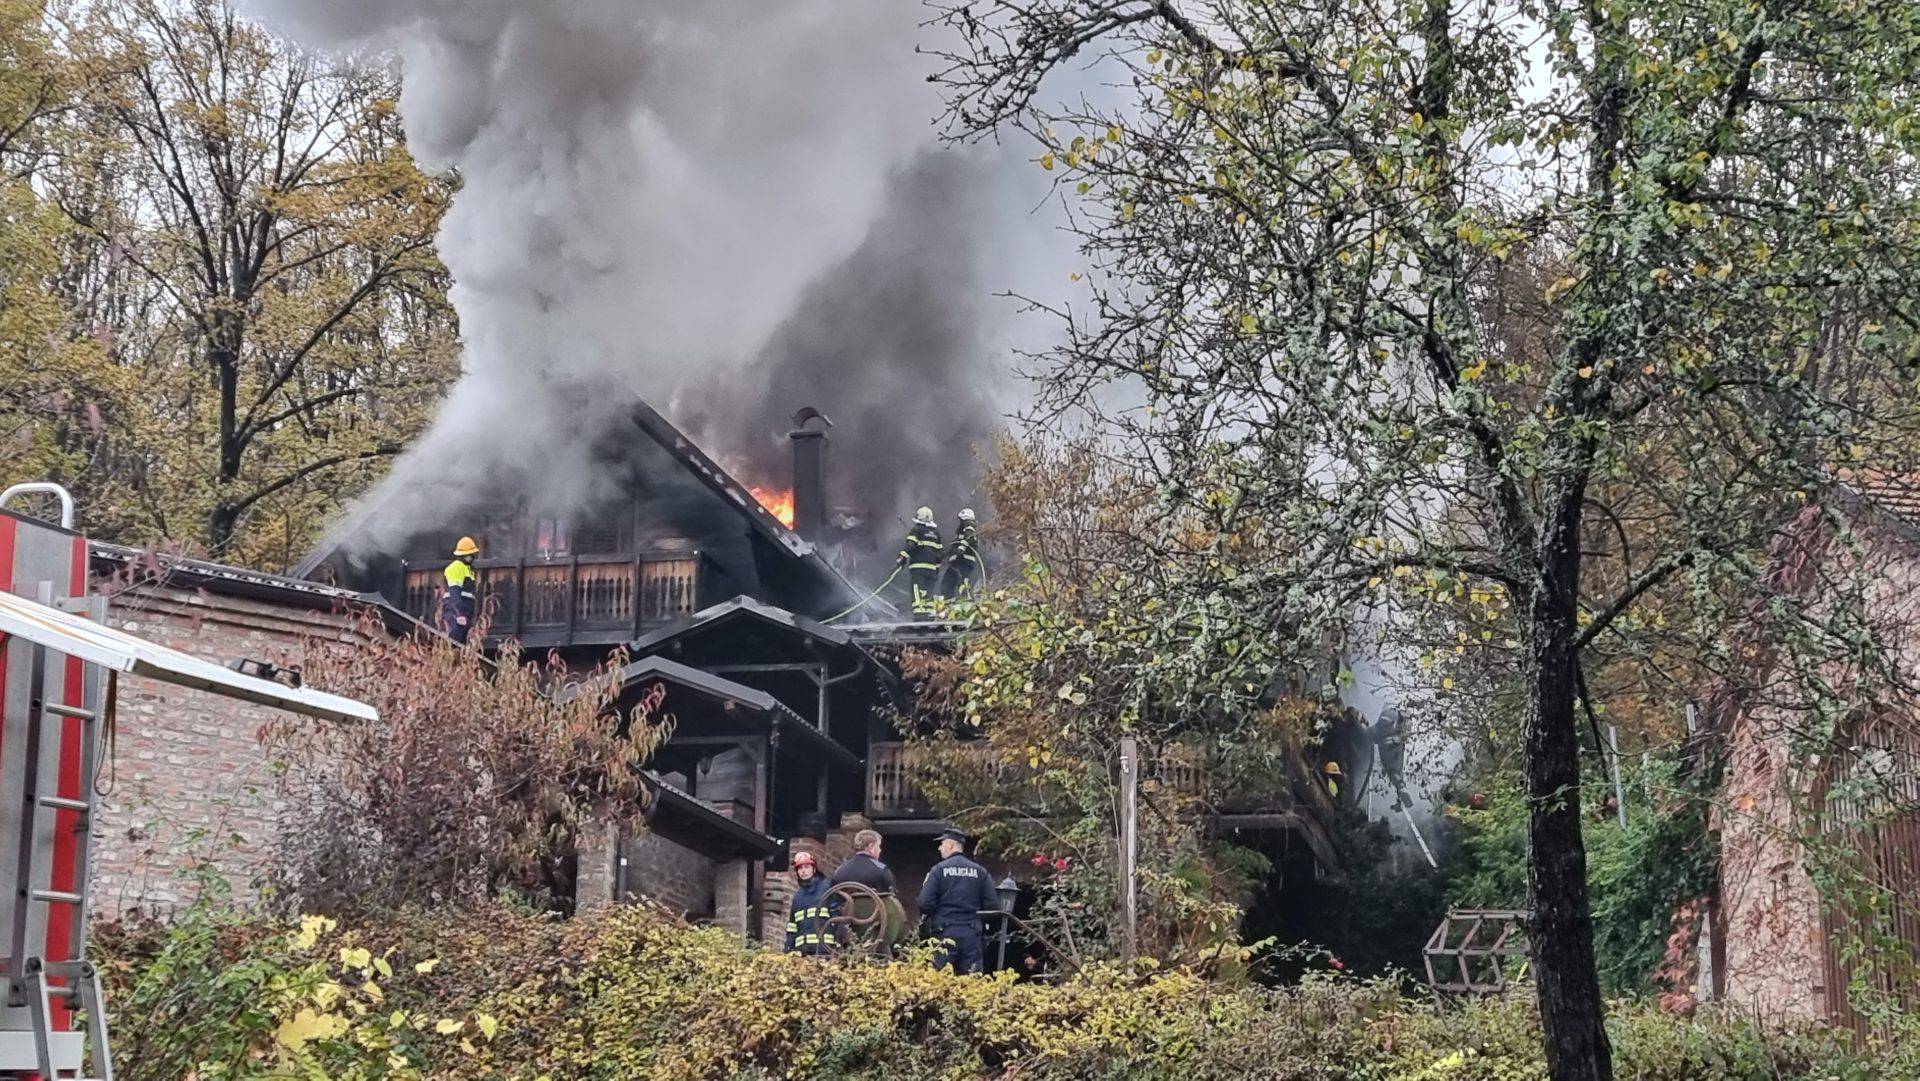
(920, 554)
(462, 602)
(963, 557)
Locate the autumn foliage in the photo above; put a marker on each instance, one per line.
(473, 783)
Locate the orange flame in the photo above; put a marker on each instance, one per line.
(778, 503)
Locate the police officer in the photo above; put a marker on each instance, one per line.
(460, 604)
(957, 890)
(920, 553)
(963, 557)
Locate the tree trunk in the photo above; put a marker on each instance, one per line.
(1565, 978)
(224, 358)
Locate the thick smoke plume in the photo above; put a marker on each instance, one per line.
(728, 208)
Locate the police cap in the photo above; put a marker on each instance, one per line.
(952, 835)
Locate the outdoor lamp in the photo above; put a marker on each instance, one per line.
(1009, 892)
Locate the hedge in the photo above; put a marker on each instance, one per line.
(629, 993)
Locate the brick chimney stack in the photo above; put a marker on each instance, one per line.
(810, 473)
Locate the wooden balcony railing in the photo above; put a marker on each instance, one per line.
(599, 598)
(894, 772)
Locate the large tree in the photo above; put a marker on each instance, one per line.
(261, 263)
(1302, 223)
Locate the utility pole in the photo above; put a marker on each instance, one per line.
(1129, 843)
(1619, 792)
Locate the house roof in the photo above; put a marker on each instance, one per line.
(740, 698)
(112, 648)
(1897, 494)
(740, 608)
(225, 578)
(760, 521)
(683, 819)
(809, 638)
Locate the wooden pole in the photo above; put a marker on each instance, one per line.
(1129, 844)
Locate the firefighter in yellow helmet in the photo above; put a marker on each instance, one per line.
(1330, 773)
(921, 554)
(461, 603)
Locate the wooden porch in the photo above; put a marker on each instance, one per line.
(895, 770)
(575, 600)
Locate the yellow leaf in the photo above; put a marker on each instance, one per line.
(355, 956)
(306, 1026)
(488, 1026)
(1046, 161)
(427, 966)
(446, 1026)
(1586, 372)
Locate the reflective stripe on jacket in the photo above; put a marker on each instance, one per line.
(922, 549)
(808, 930)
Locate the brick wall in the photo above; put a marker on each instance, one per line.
(188, 780)
(1778, 962)
(662, 871)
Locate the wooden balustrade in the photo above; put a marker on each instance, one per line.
(606, 597)
(894, 772)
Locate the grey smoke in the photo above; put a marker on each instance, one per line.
(659, 199)
(893, 343)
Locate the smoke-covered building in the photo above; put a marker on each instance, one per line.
(782, 719)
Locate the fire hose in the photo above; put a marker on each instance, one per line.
(871, 594)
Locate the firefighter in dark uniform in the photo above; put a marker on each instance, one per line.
(461, 603)
(808, 926)
(921, 554)
(957, 890)
(963, 557)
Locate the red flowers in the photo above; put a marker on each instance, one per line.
(1060, 864)
(1338, 965)
(1039, 860)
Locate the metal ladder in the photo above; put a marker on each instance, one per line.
(31, 976)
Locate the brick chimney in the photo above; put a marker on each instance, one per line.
(810, 473)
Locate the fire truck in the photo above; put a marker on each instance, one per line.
(60, 672)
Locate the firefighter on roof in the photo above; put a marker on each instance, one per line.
(963, 557)
(461, 603)
(921, 554)
(808, 922)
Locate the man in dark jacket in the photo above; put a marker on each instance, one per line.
(957, 890)
(807, 922)
(864, 865)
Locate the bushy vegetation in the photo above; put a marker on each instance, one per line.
(1640, 874)
(625, 993)
(474, 785)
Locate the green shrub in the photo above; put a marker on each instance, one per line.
(627, 993)
(1639, 874)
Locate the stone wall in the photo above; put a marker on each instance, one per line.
(188, 782)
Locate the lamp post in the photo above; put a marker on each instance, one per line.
(1009, 892)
